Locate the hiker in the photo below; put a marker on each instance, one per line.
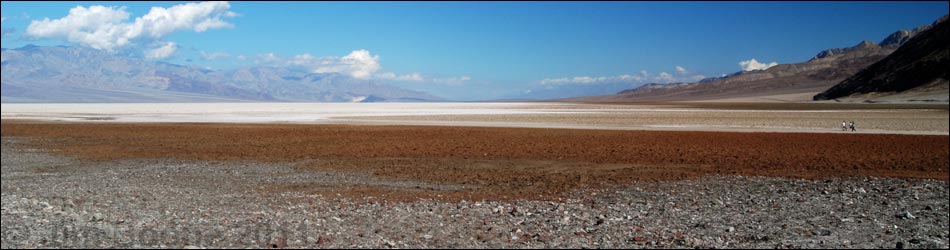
(844, 126)
(852, 125)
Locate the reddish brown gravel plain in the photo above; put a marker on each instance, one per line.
(501, 163)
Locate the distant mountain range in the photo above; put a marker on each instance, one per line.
(917, 69)
(79, 74)
(783, 82)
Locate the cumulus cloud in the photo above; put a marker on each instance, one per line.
(680, 70)
(664, 77)
(755, 65)
(359, 64)
(162, 52)
(107, 28)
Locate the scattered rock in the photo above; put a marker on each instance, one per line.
(239, 203)
(905, 215)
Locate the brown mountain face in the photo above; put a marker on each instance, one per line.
(824, 70)
(918, 67)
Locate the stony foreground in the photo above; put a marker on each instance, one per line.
(57, 201)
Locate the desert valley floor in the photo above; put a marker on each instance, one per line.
(479, 175)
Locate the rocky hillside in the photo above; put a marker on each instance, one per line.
(824, 70)
(919, 67)
(79, 74)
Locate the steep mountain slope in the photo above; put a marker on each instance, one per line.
(78, 74)
(919, 67)
(824, 70)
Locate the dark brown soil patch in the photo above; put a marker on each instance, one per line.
(503, 162)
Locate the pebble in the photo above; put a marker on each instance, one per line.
(906, 215)
(667, 214)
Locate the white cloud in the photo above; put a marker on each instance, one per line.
(680, 70)
(412, 77)
(452, 80)
(359, 64)
(6, 31)
(664, 77)
(302, 60)
(97, 27)
(106, 28)
(199, 17)
(214, 55)
(643, 77)
(416, 77)
(591, 80)
(269, 58)
(755, 65)
(162, 52)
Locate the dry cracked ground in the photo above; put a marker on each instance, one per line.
(338, 186)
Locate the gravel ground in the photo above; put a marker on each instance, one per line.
(50, 201)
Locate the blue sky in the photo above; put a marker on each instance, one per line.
(479, 50)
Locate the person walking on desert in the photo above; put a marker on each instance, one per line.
(852, 125)
(844, 126)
